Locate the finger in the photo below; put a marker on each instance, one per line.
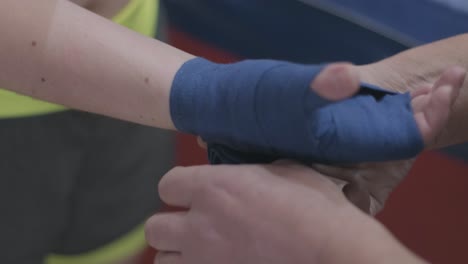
(454, 76)
(337, 81)
(438, 110)
(435, 114)
(432, 119)
(165, 231)
(176, 188)
(420, 97)
(168, 258)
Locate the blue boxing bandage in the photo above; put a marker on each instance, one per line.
(262, 110)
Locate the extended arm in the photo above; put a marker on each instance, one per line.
(59, 52)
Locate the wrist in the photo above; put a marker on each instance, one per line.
(183, 100)
(234, 104)
(361, 239)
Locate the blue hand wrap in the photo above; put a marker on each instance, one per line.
(261, 110)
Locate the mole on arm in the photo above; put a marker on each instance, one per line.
(34, 43)
(43, 80)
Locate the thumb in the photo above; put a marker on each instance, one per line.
(337, 81)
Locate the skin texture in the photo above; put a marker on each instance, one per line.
(104, 8)
(259, 214)
(77, 49)
(89, 55)
(421, 67)
(369, 184)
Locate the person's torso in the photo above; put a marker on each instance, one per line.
(138, 15)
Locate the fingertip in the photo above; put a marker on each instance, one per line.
(169, 175)
(460, 76)
(444, 96)
(148, 230)
(166, 183)
(435, 116)
(444, 90)
(454, 76)
(337, 81)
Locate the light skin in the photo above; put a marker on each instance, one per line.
(420, 67)
(85, 63)
(415, 70)
(70, 47)
(369, 186)
(265, 214)
(278, 214)
(409, 71)
(104, 8)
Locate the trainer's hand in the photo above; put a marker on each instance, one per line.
(263, 214)
(431, 102)
(371, 183)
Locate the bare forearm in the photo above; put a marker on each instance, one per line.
(411, 69)
(56, 51)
